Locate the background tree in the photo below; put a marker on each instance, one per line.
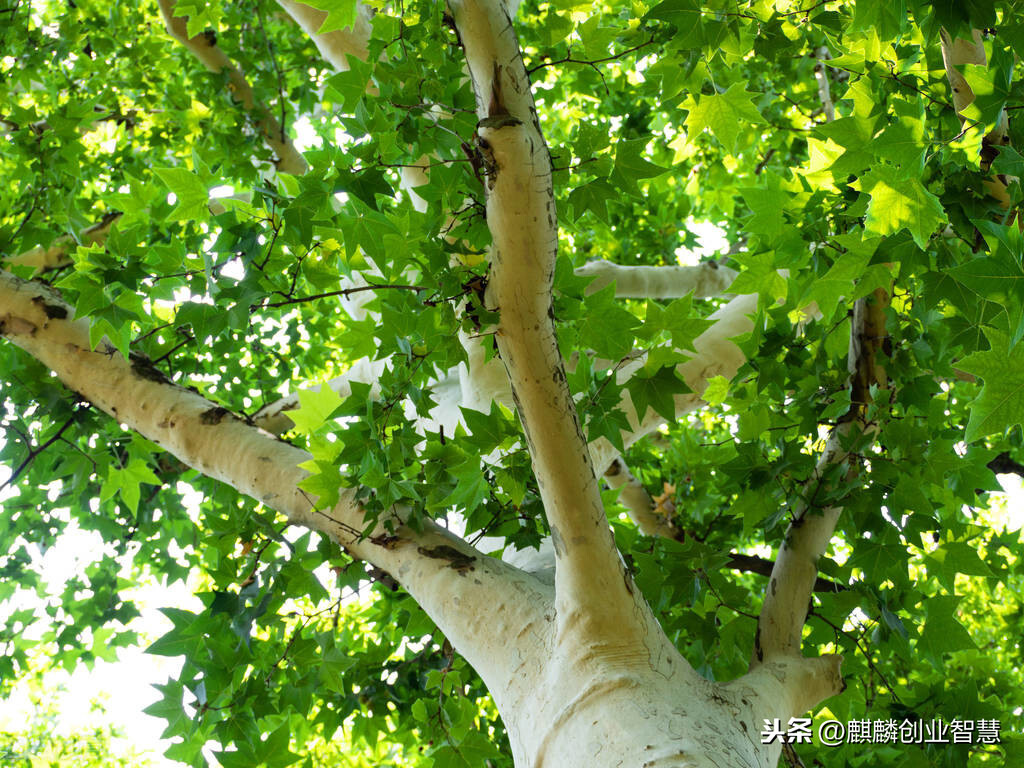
(407, 353)
(37, 740)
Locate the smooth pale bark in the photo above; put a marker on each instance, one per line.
(807, 538)
(593, 592)
(615, 691)
(478, 602)
(955, 54)
(824, 89)
(59, 253)
(338, 45)
(634, 703)
(667, 282)
(638, 502)
(581, 671)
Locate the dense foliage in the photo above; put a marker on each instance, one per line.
(658, 115)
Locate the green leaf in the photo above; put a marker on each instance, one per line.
(631, 165)
(170, 708)
(838, 283)
(725, 115)
(716, 391)
(676, 319)
(898, 203)
(998, 278)
(341, 14)
(202, 14)
(316, 408)
(592, 196)
(274, 751)
(607, 328)
(190, 192)
(942, 632)
(657, 391)
(1001, 402)
(760, 275)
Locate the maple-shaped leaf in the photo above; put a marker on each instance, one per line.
(725, 115)
(315, 408)
(341, 14)
(190, 193)
(900, 202)
(657, 391)
(1001, 402)
(631, 165)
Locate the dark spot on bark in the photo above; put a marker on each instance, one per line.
(775, 586)
(143, 367)
(52, 311)
(557, 542)
(213, 416)
(713, 264)
(457, 561)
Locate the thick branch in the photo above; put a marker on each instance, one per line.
(334, 46)
(59, 253)
(594, 595)
(956, 53)
(789, 590)
(432, 565)
(648, 516)
(204, 47)
(670, 282)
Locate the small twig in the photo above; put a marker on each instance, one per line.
(342, 292)
(568, 59)
(35, 451)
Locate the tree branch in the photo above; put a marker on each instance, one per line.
(334, 46)
(594, 596)
(789, 589)
(639, 505)
(204, 47)
(59, 253)
(431, 564)
(669, 282)
(716, 355)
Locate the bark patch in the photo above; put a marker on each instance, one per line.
(213, 416)
(52, 311)
(143, 367)
(460, 562)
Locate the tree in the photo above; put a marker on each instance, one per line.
(647, 513)
(39, 743)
